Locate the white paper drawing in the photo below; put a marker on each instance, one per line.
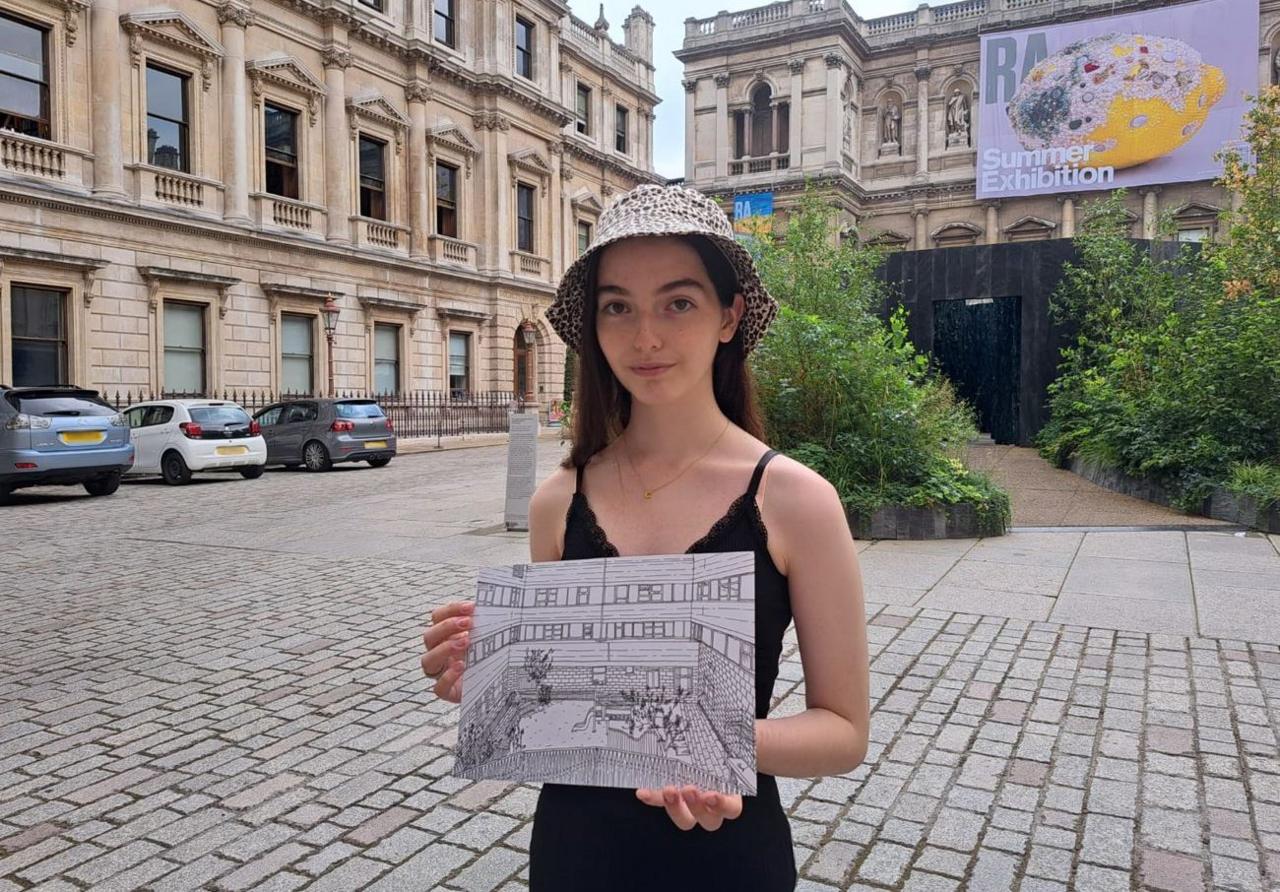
(614, 672)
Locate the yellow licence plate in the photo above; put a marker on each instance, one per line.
(232, 450)
(77, 438)
(375, 444)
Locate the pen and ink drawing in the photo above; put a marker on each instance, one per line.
(617, 672)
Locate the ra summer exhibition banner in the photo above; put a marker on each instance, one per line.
(1125, 100)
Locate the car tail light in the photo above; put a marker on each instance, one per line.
(25, 465)
(254, 429)
(192, 430)
(25, 422)
(390, 426)
(341, 426)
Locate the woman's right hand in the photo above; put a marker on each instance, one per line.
(445, 642)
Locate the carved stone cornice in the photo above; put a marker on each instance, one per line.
(690, 84)
(173, 29)
(157, 276)
(796, 65)
(496, 85)
(833, 60)
(71, 12)
(575, 149)
(722, 79)
(88, 267)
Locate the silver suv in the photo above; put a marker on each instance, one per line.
(61, 435)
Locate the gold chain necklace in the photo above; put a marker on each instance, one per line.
(648, 493)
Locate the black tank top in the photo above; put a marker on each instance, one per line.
(591, 838)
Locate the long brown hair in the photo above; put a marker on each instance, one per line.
(602, 406)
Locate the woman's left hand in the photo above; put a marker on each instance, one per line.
(688, 806)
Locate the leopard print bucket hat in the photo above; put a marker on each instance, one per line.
(653, 210)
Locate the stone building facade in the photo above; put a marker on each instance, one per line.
(882, 114)
(184, 185)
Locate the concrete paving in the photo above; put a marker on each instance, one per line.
(216, 687)
(1044, 496)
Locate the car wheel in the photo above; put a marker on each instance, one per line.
(174, 469)
(253, 472)
(104, 485)
(316, 457)
(380, 462)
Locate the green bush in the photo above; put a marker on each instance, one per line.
(848, 395)
(1260, 482)
(1173, 374)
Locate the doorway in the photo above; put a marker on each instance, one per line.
(976, 345)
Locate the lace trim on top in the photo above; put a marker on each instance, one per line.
(600, 539)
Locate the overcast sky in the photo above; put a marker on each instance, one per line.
(669, 16)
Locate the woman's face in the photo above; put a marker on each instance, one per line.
(658, 319)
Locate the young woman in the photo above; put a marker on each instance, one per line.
(663, 309)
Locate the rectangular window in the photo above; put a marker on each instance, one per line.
(544, 597)
(588, 630)
(373, 4)
(297, 353)
(24, 78)
(739, 134)
(524, 217)
(373, 178)
(444, 23)
(584, 237)
(621, 594)
(386, 358)
(459, 363)
(524, 48)
(620, 143)
(784, 127)
(280, 126)
(184, 348)
(1194, 234)
(446, 199)
(598, 674)
(584, 109)
(168, 119)
(39, 335)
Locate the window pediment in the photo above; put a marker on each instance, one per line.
(586, 202)
(377, 109)
(174, 29)
(530, 163)
(1030, 227)
(957, 233)
(451, 137)
(889, 239)
(283, 70)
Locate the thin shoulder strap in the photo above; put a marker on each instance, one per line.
(578, 487)
(759, 472)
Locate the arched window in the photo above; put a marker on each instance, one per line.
(761, 121)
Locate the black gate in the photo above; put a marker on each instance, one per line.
(975, 343)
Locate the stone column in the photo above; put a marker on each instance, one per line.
(235, 133)
(1150, 211)
(419, 173)
(105, 58)
(922, 121)
(722, 125)
(921, 216)
(1068, 215)
(337, 144)
(554, 80)
(795, 131)
(690, 122)
(556, 242)
(993, 222)
(835, 108)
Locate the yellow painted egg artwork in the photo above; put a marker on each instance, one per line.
(1129, 98)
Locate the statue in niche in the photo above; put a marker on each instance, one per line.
(890, 129)
(958, 119)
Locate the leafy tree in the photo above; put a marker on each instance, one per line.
(848, 394)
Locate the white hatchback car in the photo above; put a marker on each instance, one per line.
(172, 438)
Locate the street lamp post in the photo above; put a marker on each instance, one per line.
(329, 314)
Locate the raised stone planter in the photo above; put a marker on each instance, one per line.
(1221, 504)
(902, 522)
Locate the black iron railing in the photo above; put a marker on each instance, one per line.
(415, 413)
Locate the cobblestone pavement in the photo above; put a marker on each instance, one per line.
(217, 687)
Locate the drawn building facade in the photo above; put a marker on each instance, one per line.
(622, 651)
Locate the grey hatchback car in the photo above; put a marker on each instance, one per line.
(320, 432)
(61, 436)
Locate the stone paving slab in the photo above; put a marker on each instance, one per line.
(179, 712)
